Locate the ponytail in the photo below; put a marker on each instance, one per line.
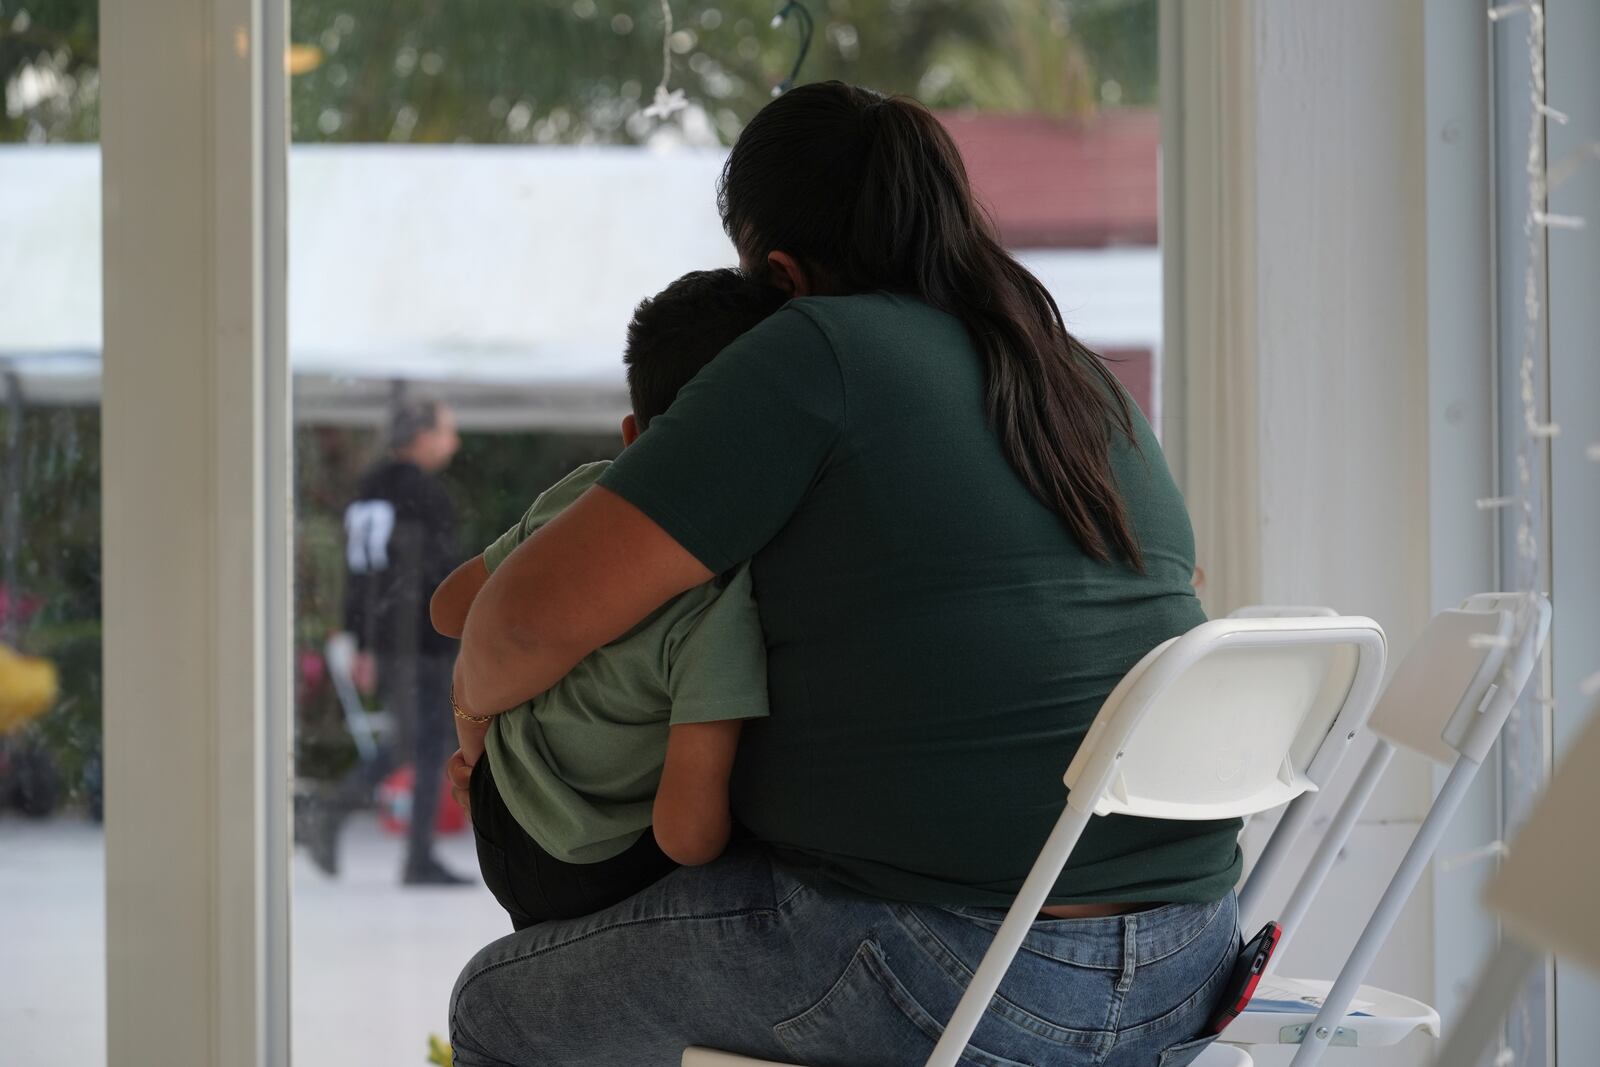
(869, 192)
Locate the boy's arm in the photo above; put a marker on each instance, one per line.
(454, 597)
(692, 819)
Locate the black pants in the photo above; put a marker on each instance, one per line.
(416, 689)
(533, 885)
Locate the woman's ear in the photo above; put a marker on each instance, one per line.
(787, 274)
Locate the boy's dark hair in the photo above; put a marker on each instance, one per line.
(682, 328)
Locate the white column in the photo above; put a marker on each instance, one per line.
(195, 518)
(1301, 334)
(1208, 244)
(1462, 455)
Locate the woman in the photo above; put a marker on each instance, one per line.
(962, 535)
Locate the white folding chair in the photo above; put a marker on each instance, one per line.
(1447, 701)
(1235, 717)
(1283, 611)
(1544, 896)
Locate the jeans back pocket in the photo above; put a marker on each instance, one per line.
(868, 1016)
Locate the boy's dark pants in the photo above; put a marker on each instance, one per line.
(533, 885)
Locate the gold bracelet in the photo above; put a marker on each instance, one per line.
(476, 720)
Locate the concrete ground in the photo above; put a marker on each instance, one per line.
(373, 962)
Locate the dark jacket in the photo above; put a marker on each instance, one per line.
(400, 543)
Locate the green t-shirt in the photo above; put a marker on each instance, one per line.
(579, 765)
(937, 643)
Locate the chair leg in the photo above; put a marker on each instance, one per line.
(1333, 842)
(997, 960)
(1331, 1017)
(1295, 820)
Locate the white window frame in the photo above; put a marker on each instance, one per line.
(196, 520)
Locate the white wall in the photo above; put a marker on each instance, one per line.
(1342, 393)
(1301, 320)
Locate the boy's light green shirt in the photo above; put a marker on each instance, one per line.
(578, 766)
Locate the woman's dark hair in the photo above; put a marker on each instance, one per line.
(868, 192)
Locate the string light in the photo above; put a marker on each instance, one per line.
(1560, 118)
(1558, 222)
(1493, 850)
(666, 102)
(1506, 10)
(1488, 641)
(808, 26)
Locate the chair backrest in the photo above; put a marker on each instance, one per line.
(1283, 611)
(1454, 689)
(1230, 719)
(1545, 892)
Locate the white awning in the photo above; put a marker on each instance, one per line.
(501, 278)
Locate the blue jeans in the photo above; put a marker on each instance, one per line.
(748, 956)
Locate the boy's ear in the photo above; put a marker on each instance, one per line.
(630, 430)
(787, 274)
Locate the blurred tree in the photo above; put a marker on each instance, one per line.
(54, 609)
(582, 71)
(50, 70)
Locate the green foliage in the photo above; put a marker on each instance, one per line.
(1122, 38)
(495, 477)
(57, 562)
(50, 70)
(582, 71)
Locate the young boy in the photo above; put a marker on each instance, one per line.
(605, 782)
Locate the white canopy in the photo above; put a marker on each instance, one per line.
(501, 278)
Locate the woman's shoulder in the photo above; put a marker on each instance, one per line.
(876, 316)
(879, 303)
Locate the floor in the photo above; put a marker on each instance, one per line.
(373, 963)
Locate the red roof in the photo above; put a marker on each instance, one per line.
(1054, 183)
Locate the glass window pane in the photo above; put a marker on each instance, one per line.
(478, 199)
(52, 850)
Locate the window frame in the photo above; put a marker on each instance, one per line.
(196, 557)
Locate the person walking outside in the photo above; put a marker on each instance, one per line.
(400, 542)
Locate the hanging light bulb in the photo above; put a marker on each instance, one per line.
(808, 26)
(666, 101)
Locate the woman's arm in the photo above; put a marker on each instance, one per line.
(692, 820)
(582, 580)
(453, 599)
